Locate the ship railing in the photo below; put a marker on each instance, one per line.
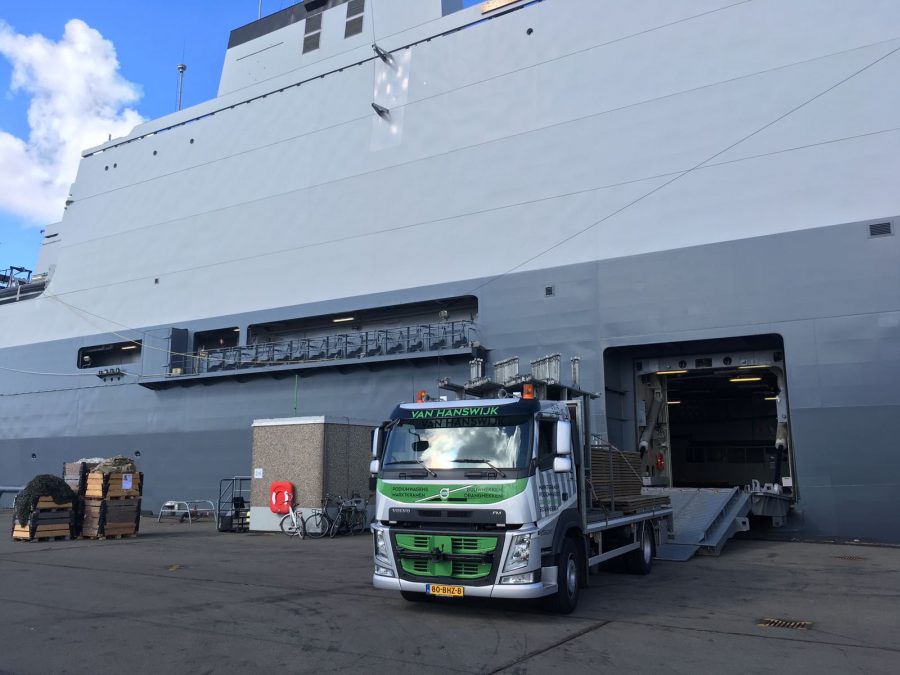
(369, 344)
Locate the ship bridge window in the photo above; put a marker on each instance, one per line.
(312, 33)
(115, 354)
(355, 13)
(220, 338)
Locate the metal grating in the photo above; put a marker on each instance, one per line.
(881, 229)
(355, 7)
(353, 27)
(850, 557)
(784, 623)
(311, 42)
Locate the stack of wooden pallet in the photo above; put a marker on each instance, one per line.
(112, 505)
(616, 481)
(47, 520)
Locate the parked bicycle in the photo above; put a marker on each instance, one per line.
(338, 516)
(293, 524)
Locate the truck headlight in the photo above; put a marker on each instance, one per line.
(380, 546)
(526, 578)
(383, 571)
(519, 553)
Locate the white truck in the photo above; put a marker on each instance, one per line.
(492, 498)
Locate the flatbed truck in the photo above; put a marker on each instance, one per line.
(491, 497)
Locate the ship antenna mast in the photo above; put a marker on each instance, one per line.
(181, 69)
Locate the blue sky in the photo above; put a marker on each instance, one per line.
(150, 38)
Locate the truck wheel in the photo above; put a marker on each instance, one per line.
(413, 596)
(568, 576)
(640, 561)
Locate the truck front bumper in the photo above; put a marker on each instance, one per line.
(546, 586)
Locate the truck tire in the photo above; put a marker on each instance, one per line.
(568, 579)
(641, 560)
(413, 596)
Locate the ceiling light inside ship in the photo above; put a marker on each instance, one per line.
(671, 372)
(745, 379)
(343, 319)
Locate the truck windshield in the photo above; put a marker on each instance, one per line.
(455, 443)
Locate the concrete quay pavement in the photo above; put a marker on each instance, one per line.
(183, 598)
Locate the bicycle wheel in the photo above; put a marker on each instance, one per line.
(358, 522)
(317, 525)
(338, 525)
(289, 527)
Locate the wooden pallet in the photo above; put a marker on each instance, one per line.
(46, 520)
(112, 485)
(30, 532)
(47, 504)
(110, 517)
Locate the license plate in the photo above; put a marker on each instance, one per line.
(447, 591)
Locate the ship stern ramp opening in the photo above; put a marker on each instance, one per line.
(710, 419)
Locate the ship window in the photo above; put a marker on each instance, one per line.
(355, 10)
(222, 338)
(313, 24)
(311, 42)
(313, 32)
(115, 354)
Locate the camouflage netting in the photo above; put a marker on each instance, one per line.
(42, 486)
(117, 464)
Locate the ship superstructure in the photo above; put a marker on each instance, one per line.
(384, 190)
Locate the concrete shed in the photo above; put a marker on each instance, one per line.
(318, 455)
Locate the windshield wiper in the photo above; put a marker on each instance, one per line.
(482, 461)
(413, 461)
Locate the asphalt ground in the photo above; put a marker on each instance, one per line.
(182, 598)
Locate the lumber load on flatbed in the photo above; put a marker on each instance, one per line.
(635, 503)
(614, 472)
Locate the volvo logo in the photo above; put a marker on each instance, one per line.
(445, 493)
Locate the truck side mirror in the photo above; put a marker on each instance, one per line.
(563, 438)
(374, 467)
(562, 464)
(377, 441)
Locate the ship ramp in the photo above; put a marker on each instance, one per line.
(704, 519)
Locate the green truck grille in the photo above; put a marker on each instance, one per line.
(457, 569)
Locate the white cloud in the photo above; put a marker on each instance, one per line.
(77, 99)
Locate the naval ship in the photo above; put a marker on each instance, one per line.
(688, 206)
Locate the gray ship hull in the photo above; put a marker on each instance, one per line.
(829, 293)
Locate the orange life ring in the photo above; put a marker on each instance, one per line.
(281, 497)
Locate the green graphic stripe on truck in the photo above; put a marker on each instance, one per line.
(429, 493)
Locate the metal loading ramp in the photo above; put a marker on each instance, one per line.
(704, 519)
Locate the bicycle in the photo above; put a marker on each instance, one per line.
(320, 522)
(349, 517)
(293, 524)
